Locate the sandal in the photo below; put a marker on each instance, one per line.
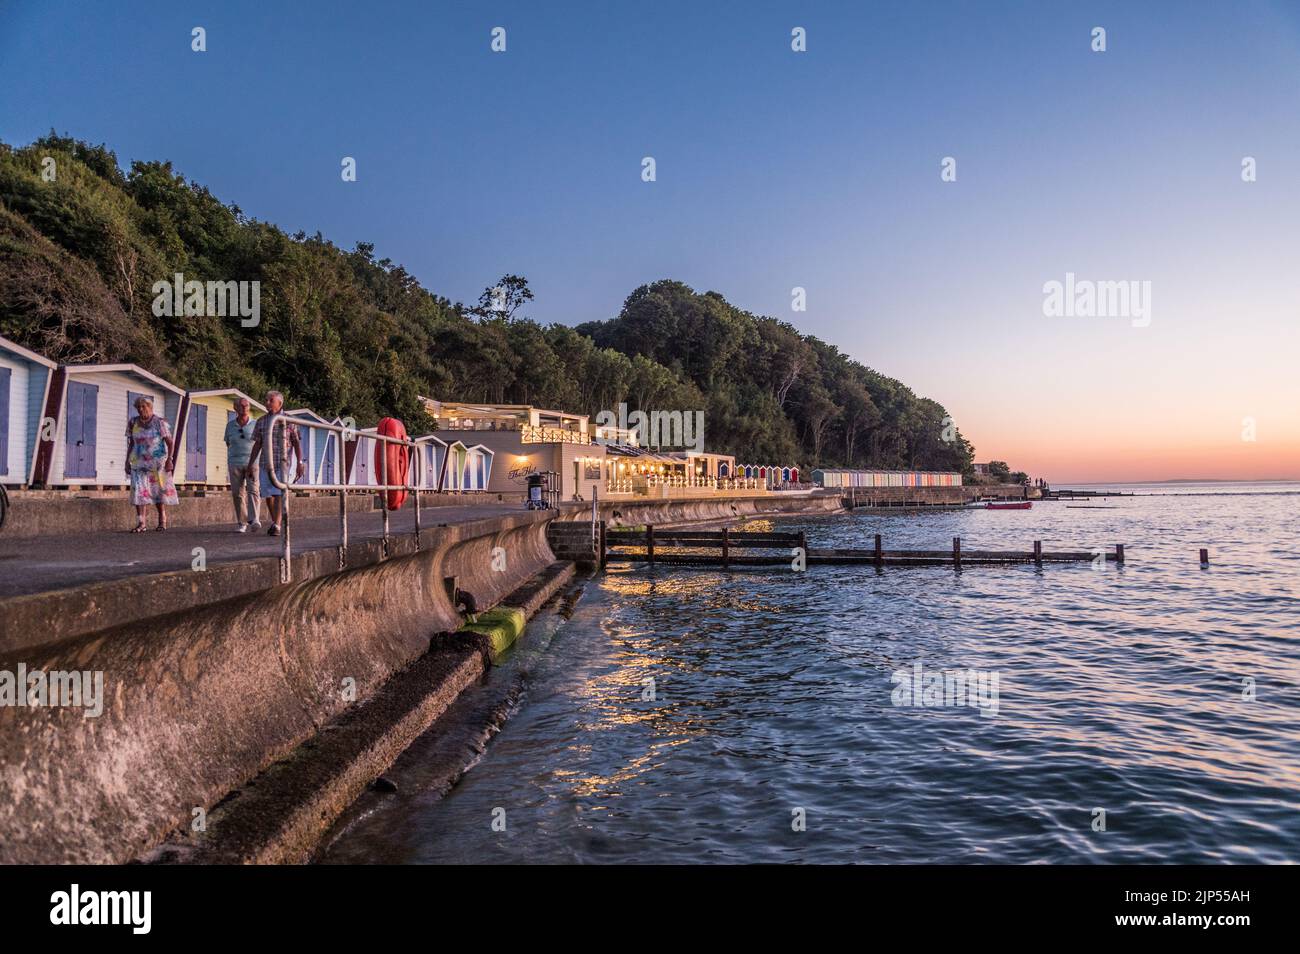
(160, 528)
(139, 528)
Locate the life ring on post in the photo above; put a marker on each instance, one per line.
(398, 461)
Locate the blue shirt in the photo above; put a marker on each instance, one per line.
(239, 442)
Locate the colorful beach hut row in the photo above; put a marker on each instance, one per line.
(772, 475)
(65, 426)
(453, 467)
(839, 478)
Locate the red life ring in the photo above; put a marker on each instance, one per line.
(398, 461)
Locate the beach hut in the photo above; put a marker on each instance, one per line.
(201, 437)
(315, 443)
(361, 472)
(478, 468)
(25, 379)
(334, 455)
(453, 477)
(93, 403)
(433, 455)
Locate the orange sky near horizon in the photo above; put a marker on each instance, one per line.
(1099, 399)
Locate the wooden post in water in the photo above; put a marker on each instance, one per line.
(650, 543)
(1205, 557)
(603, 546)
(726, 547)
(1119, 553)
(1038, 552)
(956, 553)
(880, 557)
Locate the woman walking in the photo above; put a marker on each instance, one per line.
(148, 449)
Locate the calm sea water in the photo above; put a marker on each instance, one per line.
(1120, 689)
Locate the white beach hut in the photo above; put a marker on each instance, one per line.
(433, 455)
(94, 403)
(361, 472)
(478, 467)
(25, 379)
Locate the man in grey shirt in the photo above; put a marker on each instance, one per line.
(243, 475)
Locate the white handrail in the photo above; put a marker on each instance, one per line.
(414, 464)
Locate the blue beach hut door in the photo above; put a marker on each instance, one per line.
(79, 451)
(196, 444)
(6, 374)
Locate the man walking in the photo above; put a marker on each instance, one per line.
(243, 476)
(273, 450)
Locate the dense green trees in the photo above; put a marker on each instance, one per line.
(82, 244)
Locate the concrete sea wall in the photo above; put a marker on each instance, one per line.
(198, 702)
(928, 496)
(631, 513)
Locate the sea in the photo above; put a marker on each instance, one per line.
(1076, 713)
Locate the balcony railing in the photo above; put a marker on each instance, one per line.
(528, 434)
(552, 435)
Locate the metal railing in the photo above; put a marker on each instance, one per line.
(415, 461)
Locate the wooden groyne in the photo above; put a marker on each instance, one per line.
(1084, 494)
(727, 548)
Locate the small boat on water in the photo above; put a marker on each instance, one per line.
(1000, 505)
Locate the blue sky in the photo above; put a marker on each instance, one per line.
(775, 169)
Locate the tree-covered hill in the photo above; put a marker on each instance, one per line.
(82, 244)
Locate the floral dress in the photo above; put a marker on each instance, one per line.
(150, 482)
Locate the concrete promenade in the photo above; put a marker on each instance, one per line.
(40, 564)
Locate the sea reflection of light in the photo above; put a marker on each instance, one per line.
(587, 785)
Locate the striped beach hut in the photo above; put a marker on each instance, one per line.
(201, 437)
(25, 379)
(315, 443)
(453, 470)
(92, 404)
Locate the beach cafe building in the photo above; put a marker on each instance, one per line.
(502, 444)
(25, 379)
(588, 461)
(91, 404)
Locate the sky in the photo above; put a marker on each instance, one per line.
(777, 169)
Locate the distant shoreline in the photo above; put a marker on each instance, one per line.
(1067, 484)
